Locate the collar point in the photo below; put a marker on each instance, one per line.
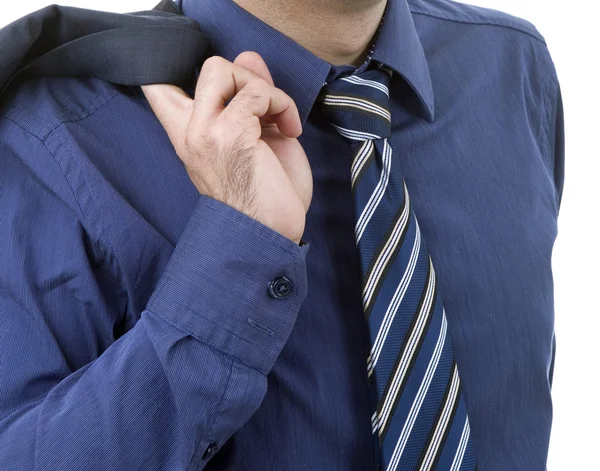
(430, 112)
(426, 105)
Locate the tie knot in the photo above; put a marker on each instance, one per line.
(358, 105)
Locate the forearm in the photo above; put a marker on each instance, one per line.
(188, 375)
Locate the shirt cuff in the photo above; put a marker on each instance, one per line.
(218, 284)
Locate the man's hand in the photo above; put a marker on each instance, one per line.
(244, 154)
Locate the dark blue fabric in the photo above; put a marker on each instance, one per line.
(136, 328)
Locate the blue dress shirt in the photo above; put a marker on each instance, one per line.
(137, 330)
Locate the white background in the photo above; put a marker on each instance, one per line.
(571, 31)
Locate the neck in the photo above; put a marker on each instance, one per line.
(338, 31)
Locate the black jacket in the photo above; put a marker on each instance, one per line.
(156, 46)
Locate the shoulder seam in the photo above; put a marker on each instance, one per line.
(472, 22)
(45, 146)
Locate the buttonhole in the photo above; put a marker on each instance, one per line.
(261, 327)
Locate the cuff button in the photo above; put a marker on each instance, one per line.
(280, 287)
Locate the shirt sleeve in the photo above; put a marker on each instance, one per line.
(553, 124)
(557, 140)
(555, 145)
(168, 393)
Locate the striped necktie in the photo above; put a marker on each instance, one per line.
(420, 421)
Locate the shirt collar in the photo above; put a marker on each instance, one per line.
(297, 71)
(398, 46)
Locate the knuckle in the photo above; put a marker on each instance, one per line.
(250, 101)
(212, 63)
(208, 71)
(250, 55)
(258, 84)
(211, 68)
(217, 133)
(254, 92)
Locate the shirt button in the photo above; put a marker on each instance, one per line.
(210, 451)
(280, 287)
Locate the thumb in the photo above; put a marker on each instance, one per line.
(173, 108)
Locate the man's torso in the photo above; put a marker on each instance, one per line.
(481, 182)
